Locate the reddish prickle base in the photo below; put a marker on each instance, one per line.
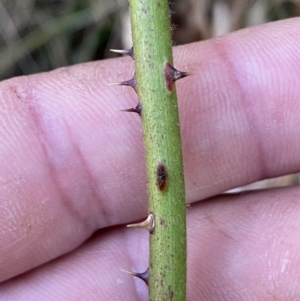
(172, 74)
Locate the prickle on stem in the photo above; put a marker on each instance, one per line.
(149, 223)
(131, 82)
(143, 276)
(172, 74)
(137, 109)
(128, 52)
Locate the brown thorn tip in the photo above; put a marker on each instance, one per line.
(137, 109)
(149, 223)
(124, 51)
(172, 74)
(143, 276)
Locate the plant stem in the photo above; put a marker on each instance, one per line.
(161, 132)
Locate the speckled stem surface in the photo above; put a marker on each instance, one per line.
(161, 133)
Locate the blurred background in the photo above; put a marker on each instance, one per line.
(41, 35)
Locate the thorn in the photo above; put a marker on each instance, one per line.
(149, 223)
(137, 109)
(131, 82)
(143, 276)
(172, 74)
(128, 52)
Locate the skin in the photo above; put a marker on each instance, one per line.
(72, 174)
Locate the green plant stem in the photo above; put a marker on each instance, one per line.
(161, 133)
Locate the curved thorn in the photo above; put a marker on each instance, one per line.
(149, 223)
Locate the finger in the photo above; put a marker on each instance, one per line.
(72, 163)
(91, 272)
(239, 248)
(239, 112)
(248, 247)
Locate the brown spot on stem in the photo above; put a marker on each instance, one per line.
(161, 176)
(172, 74)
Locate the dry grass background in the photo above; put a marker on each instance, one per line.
(41, 35)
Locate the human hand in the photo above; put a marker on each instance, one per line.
(72, 164)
